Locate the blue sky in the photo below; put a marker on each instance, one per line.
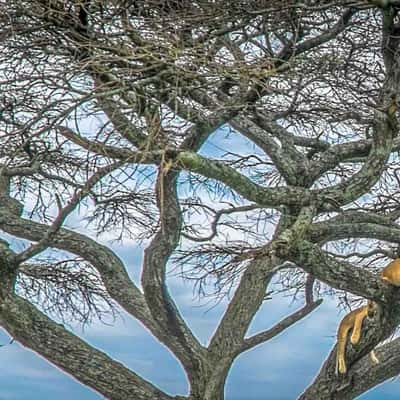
(278, 370)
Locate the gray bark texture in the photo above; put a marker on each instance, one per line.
(109, 114)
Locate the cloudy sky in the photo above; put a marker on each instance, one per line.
(278, 370)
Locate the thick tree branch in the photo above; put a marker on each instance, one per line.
(331, 232)
(119, 286)
(287, 139)
(250, 292)
(90, 366)
(268, 197)
(123, 124)
(371, 171)
(366, 375)
(156, 256)
(385, 125)
(325, 37)
(289, 162)
(340, 274)
(107, 263)
(355, 217)
(246, 301)
(343, 152)
(329, 386)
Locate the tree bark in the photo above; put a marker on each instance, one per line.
(90, 366)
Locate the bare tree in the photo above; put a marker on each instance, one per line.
(105, 107)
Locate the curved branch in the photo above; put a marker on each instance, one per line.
(143, 157)
(343, 152)
(98, 147)
(267, 197)
(63, 213)
(366, 375)
(361, 373)
(90, 366)
(117, 282)
(376, 252)
(371, 171)
(214, 223)
(250, 294)
(385, 125)
(293, 49)
(172, 327)
(339, 27)
(107, 263)
(282, 325)
(286, 158)
(340, 274)
(352, 216)
(227, 340)
(330, 232)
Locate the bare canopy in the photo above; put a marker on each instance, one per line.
(106, 109)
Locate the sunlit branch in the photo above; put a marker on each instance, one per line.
(268, 197)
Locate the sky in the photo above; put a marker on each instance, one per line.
(280, 369)
(277, 370)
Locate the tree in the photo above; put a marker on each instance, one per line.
(105, 107)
